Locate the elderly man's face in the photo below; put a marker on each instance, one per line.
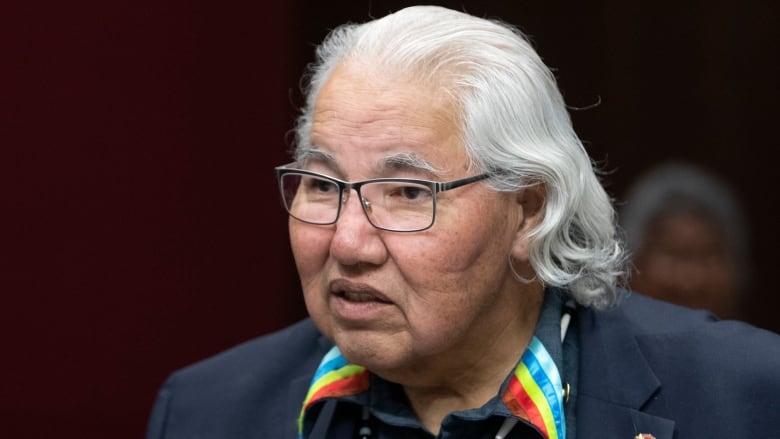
(392, 301)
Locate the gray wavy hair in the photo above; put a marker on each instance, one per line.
(514, 120)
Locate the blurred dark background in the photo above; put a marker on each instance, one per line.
(141, 227)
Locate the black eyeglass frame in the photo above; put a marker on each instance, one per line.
(434, 186)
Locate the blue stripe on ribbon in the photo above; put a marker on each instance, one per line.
(543, 370)
(333, 360)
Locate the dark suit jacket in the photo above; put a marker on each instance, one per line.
(645, 367)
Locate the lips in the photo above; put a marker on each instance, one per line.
(357, 292)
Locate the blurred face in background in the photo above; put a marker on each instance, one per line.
(684, 259)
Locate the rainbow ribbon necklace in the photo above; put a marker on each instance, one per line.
(535, 392)
(335, 377)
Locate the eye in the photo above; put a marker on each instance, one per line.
(413, 192)
(325, 186)
(314, 185)
(406, 192)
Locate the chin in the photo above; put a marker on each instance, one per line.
(375, 352)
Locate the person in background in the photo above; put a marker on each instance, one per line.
(688, 238)
(461, 267)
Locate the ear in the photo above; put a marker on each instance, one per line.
(530, 205)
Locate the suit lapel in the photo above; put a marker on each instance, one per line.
(615, 381)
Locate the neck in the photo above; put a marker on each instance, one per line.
(471, 380)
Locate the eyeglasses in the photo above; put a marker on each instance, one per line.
(392, 204)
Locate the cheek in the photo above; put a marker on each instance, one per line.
(437, 322)
(310, 246)
(472, 244)
(455, 274)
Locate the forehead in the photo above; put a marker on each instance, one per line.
(362, 114)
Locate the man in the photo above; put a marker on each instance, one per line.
(687, 235)
(459, 262)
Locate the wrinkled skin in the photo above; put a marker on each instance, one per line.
(425, 309)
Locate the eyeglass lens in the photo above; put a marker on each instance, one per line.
(392, 205)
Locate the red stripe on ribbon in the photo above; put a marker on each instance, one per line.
(346, 386)
(521, 405)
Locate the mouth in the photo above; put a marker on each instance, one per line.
(357, 293)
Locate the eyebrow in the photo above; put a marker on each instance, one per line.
(312, 154)
(409, 161)
(404, 161)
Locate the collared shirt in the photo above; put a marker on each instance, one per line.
(346, 398)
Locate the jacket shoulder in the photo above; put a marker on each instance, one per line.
(650, 315)
(670, 330)
(711, 377)
(282, 352)
(257, 385)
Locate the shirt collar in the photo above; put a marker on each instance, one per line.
(534, 391)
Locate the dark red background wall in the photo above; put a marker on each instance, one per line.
(142, 230)
(140, 225)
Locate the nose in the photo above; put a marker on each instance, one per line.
(366, 206)
(353, 214)
(355, 240)
(362, 208)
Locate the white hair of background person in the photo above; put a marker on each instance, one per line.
(680, 187)
(514, 121)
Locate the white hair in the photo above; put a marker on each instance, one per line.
(514, 121)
